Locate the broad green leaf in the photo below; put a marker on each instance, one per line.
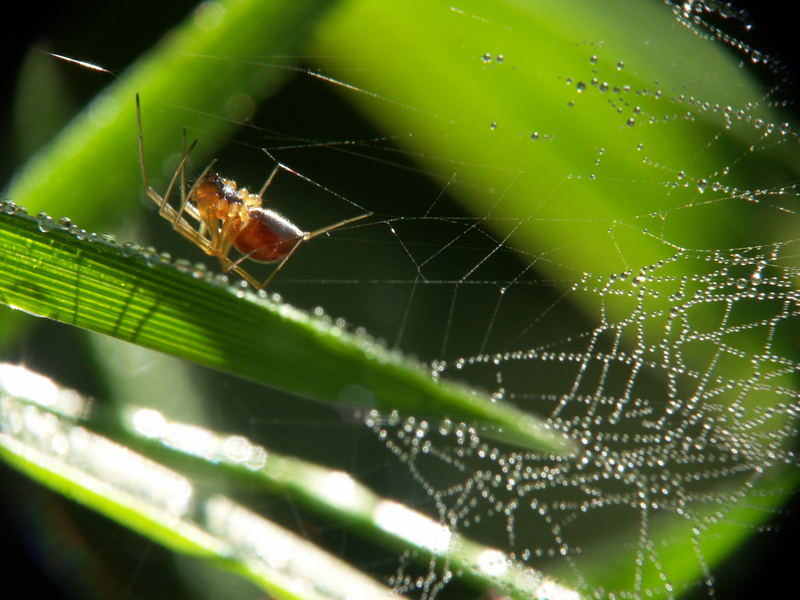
(58, 274)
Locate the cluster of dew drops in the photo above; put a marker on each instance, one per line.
(150, 256)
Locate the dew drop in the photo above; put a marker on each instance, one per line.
(128, 249)
(45, 222)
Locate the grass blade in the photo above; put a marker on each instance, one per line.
(91, 284)
(158, 502)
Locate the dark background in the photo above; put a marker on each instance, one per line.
(63, 27)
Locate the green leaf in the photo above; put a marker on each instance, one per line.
(157, 502)
(91, 284)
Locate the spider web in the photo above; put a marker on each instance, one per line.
(675, 366)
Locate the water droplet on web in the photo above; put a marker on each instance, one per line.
(581, 85)
(445, 427)
(702, 185)
(486, 58)
(620, 65)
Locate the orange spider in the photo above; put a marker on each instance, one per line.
(230, 216)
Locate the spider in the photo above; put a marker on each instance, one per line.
(230, 216)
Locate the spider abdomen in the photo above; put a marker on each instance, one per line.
(268, 236)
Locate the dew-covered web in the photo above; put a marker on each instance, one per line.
(629, 274)
(660, 333)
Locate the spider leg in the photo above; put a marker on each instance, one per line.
(164, 209)
(247, 277)
(183, 173)
(281, 264)
(190, 233)
(185, 205)
(179, 171)
(268, 182)
(185, 198)
(288, 169)
(241, 259)
(327, 228)
(225, 238)
(152, 194)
